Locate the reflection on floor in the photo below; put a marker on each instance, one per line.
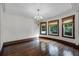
(40, 47)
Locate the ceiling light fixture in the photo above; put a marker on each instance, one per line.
(38, 18)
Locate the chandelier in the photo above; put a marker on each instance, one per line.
(38, 18)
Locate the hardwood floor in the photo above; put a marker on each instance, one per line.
(40, 47)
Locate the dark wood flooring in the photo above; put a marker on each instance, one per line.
(40, 47)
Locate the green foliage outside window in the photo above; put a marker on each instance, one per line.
(54, 28)
(68, 29)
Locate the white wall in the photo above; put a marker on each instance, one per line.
(14, 27)
(0, 27)
(1, 17)
(67, 13)
(77, 28)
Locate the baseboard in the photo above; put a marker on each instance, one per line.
(18, 41)
(63, 42)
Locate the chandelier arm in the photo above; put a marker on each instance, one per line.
(38, 18)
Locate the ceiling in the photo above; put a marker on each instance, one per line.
(47, 10)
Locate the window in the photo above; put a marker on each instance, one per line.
(43, 28)
(53, 27)
(68, 27)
